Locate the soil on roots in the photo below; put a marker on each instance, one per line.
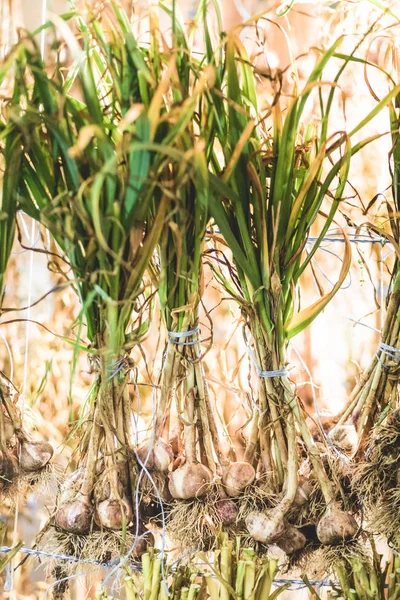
(62, 544)
(153, 498)
(310, 560)
(61, 585)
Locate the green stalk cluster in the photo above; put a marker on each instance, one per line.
(359, 579)
(22, 460)
(235, 573)
(10, 147)
(184, 399)
(376, 393)
(239, 573)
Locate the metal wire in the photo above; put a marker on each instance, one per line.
(175, 337)
(137, 566)
(260, 372)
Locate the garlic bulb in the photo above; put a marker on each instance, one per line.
(237, 477)
(114, 514)
(191, 480)
(35, 455)
(336, 526)
(75, 517)
(158, 458)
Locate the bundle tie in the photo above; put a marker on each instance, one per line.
(112, 369)
(116, 367)
(175, 337)
(265, 374)
(391, 351)
(270, 374)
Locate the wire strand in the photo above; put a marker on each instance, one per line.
(135, 566)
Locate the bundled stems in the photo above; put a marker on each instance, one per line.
(267, 191)
(373, 396)
(104, 198)
(376, 393)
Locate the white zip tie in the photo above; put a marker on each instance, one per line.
(391, 351)
(116, 367)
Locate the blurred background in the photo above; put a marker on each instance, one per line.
(327, 359)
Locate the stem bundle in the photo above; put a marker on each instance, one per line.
(99, 170)
(270, 192)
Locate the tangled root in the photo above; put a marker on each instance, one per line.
(385, 517)
(256, 497)
(346, 560)
(107, 546)
(379, 473)
(61, 586)
(197, 523)
(46, 481)
(338, 472)
(311, 511)
(311, 560)
(377, 478)
(154, 497)
(346, 553)
(64, 544)
(11, 492)
(97, 548)
(319, 562)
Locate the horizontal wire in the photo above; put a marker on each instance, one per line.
(64, 557)
(136, 566)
